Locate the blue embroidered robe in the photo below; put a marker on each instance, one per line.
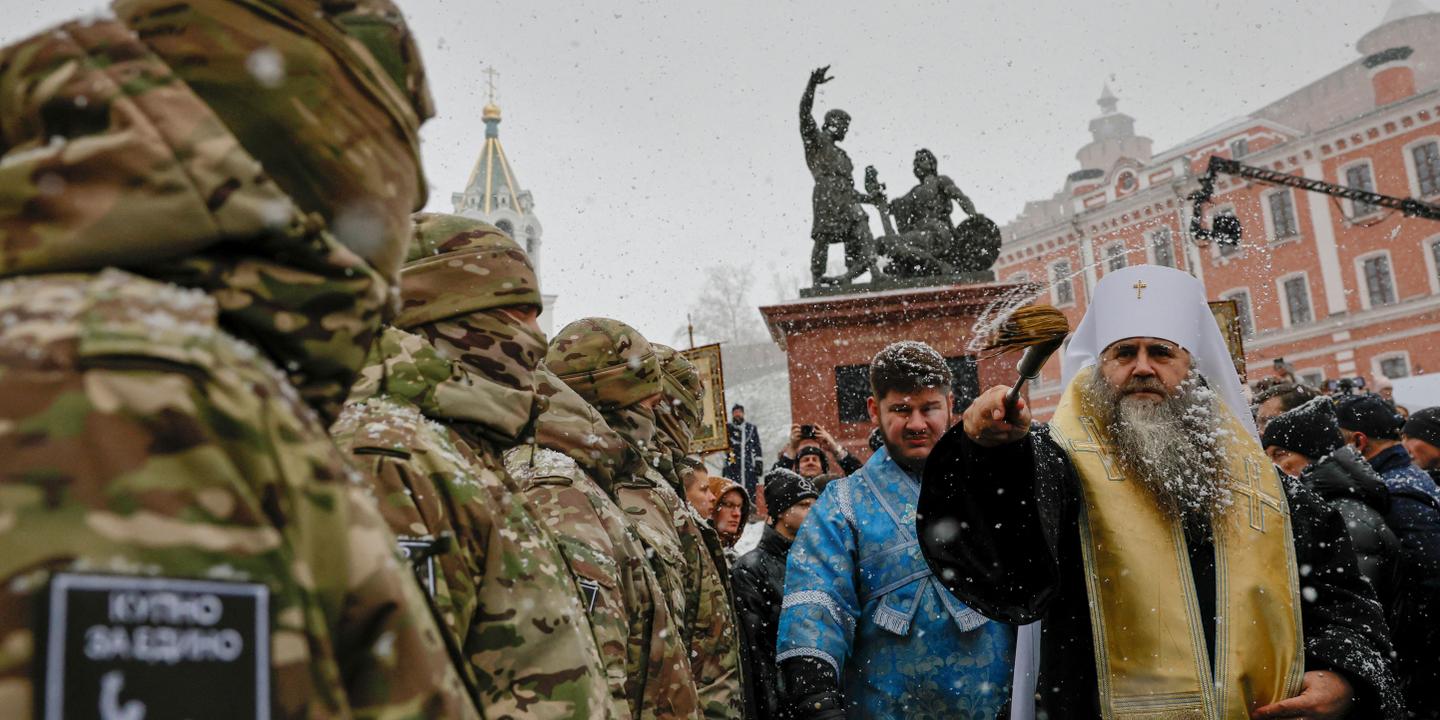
(860, 597)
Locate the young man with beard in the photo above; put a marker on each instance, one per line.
(1174, 571)
(867, 631)
(758, 579)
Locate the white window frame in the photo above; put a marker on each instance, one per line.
(1238, 141)
(1301, 373)
(1105, 255)
(1392, 355)
(1022, 276)
(1271, 235)
(1215, 257)
(1364, 287)
(1249, 305)
(1408, 155)
(1285, 298)
(1374, 182)
(1432, 272)
(1055, 284)
(1150, 246)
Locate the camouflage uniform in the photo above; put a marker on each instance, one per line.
(495, 573)
(677, 416)
(516, 614)
(566, 473)
(142, 433)
(614, 368)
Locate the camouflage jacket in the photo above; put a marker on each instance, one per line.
(709, 620)
(567, 473)
(153, 434)
(501, 588)
(139, 439)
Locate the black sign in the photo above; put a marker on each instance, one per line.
(852, 387)
(139, 648)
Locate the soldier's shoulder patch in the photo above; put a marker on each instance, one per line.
(117, 646)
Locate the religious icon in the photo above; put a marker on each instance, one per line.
(711, 435)
(1227, 316)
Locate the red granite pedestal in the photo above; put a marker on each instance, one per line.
(830, 340)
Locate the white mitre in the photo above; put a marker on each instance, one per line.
(1159, 302)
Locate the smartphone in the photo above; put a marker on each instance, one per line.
(807, 432)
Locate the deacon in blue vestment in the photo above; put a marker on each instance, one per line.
(866, 630)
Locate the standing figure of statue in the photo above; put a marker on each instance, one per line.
(927, 241)
(838, 215)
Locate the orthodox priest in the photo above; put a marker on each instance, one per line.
(1169, 570)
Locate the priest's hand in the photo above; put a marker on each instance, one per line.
(1323, 695)
(990, 423)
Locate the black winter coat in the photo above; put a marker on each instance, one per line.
(1016, 557)
(758, 579)
(1351, 486)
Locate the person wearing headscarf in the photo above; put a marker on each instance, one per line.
(731, 512)
(1170, 566)
(196, 259)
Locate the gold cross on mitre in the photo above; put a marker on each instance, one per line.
(1139, 287)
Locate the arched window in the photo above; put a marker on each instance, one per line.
(506, 227)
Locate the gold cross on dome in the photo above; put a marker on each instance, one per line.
(490, 76)
(1139, 287)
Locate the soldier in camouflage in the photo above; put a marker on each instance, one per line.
(677, 418)
(177, 326)
(428, 426)
(618, 372)
(567, 470)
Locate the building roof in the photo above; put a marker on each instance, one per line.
(492, 177)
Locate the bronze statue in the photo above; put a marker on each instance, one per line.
(928, 242)
(838, 215)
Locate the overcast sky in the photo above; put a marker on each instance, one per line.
(661, 138)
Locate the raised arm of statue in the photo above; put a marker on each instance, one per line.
(809, 131)
(951, 191)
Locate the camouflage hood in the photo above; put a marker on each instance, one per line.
(464, 318)
(457, 266)
(613, 367)
(608, 362)
(112, 159)
(407, 368)
(571, 426)
(678, 413)
(681, 381)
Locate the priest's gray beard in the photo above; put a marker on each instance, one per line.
(1170, 446)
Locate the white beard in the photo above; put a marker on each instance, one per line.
(1170, 446)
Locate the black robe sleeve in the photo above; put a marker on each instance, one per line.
(989, 519)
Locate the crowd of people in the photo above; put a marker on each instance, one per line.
(274, 444)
